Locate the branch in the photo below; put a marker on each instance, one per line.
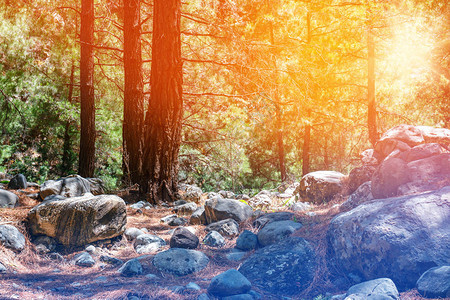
(68, 7)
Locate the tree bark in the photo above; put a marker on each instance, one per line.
(133, 113)
(87, 114)
(163, 118)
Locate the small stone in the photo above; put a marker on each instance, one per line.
(214, 239)
(111, 260)
(236, 255)
(183, 238)
(132, 233)
(84, 259)
(193, 286)
(90, 249)
(247, 241)
(151, 277)
(229, 283)
(3, 269)
(178, 222)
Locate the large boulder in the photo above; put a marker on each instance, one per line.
(380, 287)
(276, 231)
(11, 237)
(285, 268)
(388, 177)
(435, 283)
(198, 217)
(8, 199)
(397, 138)
(97, 186)
(180, 262)
(18, 182)
(435, 135)
(71, 186)
(399, 238)
(361, 195)
(79, 220)
(266, 218)
(218, 209)
(320, 187)
(358, 176)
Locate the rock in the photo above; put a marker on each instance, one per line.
(435, 135)
(406, 133)
(80, 220)
(228, 227)
(367, 297)
(214, 239)
(381, 286)
(140, 205)
(247, 241)
(11, 237)
(226, 194)
(423, 151)
(264, 219)
(276, 231)
(168, 219)
(260, 201)
(132, 233)
(178, 222)
(90, 249)
(8, 199)
(388, 177)
(236, 255)
(147, 243)
(71, 186)
(230, 282)
(187, 208)
(320, 187)
(368, 158)
(84, 259)
(183, 238)
(399, 238)
(131, 268)
(361, 195)
(97, 186)
(198, 217)
(44, 244)
(300, 206)
(180, 262)
(221, 209)
(212, 195)
(193, 286)
(358, 176)
(3, 269)
(435, 283)
(192, 194)
(18, 182)
(111, 260)
(238, 297)
(273, 268)
(203, 297)
(430, 172)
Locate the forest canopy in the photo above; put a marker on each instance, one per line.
(271, 89)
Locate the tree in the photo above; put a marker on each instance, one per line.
(162, 131)
(133, 112)
(87, 113)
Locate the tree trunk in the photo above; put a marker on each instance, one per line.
(163, 118)
(306, 147)
(133, 113)
(88, 134)
(372, 110)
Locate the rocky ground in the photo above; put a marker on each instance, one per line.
(382, 229)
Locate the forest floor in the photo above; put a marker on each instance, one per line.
(35, 276)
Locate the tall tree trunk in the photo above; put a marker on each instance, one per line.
(163, 118)
(278, 111)
(307, 134)
(372, 110)
(88, 134)
(133, 113)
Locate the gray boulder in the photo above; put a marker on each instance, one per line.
(187, 208)
(146, 243)
(264, 219)
(11, 237)
(228, 227)
(361, 195)
(399, 238)
(132, 233)
(230, 282)
(423, 151)
(214, 239)
(180, 262)
(320, 187)
(192, 193)
(389, 176)
(8, 199)
(260, 201)
(273, 268)
(435, 283)
(97, 186)
(277, 231)
(358, 176)
(218, 209)
(84, 259)
(71, 186)
(381, 286)
(198, 217)
(131, 268)
(18, 182)
(247, 241)
(80, 220)
(183, 238)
